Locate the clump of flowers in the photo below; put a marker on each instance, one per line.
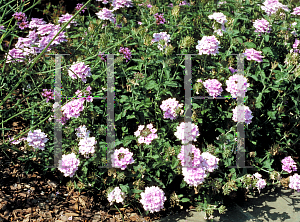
(126, 52)
(83, 94)
(296, 46)
(37, 139)
(65, 18)
(68, 165)
(272, 6)
(171, 108)
(296, 11)
(187, 132)
(193, 157)
(79, 70)
(213, 87)
(211, 162)
(159, 37)
(122, 157)
(116, 195)
(232, 70)
(48, 94)
(232, 85)
(208, 45)
(82, 132)
(153, 199)
(221, 19)
(146, 135)
(295, 182)
(22, 20)
(87, 146)
(36, 22)
(106, 14)
(159, 18)
(242, 113)
(262, 26)
(261, 183)
(288, 163)
(121, 4)
(78, 7)
(102, 56)
(252, 54)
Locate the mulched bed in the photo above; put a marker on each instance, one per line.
(34, 197)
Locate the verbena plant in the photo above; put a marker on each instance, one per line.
(147, 72)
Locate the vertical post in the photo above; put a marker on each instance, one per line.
(57, 113)
(188, 103)
(240, 156)
(110, 136)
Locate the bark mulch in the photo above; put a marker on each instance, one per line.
(37, 197)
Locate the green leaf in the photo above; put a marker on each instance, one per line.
(151, 85)
(76, 35)
(171, 84)
(185, 200)
(250, 45)
(267, 50)
(137, 191)
(272, 114)
(267, 38)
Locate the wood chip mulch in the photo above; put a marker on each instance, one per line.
(36, 197)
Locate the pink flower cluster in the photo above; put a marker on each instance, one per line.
(296, 46)
(37, 139)
(126, 52)
(88, 98)
(146, 135)
(213, 87)
(232, 85)
(271, 6)
(189, 135)
(197, 166)
(122, 157)
(262, 26)
(48, 94)
(22, 19)
(221, 19)
(79, 70)
(153, 199)
(103, 1)
(78, 6)
(102, 56)
(15, 142)
(159, 18)
(121, 4)
(87, 146)
(161, 36)
(208, 45)
(82, 132)
(171, 108)
(242, 113)
(296, 11)
(106, 14)
(68, 165)
(65, 18)
(252, 54)
(295, 182)
(73, 108)
(24, 46)
(261, 183)
(232, 70)
(288, 163)
(184, 3)
(116, 195)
